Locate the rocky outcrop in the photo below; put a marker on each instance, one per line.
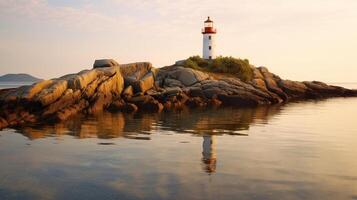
(105, 63)
(180, 76)
(88, 91)
(141, 87)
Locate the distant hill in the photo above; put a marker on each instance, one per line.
(18, 78)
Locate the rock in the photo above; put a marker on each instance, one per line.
(196, 85)
(152, 106)
(147, 103)
(157, 84)
(263, 70)
(213, 92)
(69, 111)
(196, 92)
(13, 94)
(272, 86)
(177, 105)
(135, 70)
(117, 105)
(68, 98)
(82, 79)
(129, 81)
(152, 92)
(241, 100)
(99, 102)
(195, 102)
(140, 99)
(321, 87)
(3, 123)
(168, 105)
(105, 63)
(293, 88)
(257, 74)
(180, 62)
(169, 82)
(182, 97)
(92, 91)
(145, 83)
(186, 76)
(128, 91)
(52, 93)
(129, 108)
(214, 102)
(173, 91)
(114, 84)
(259, 83)
(36, 88)
(121, 106)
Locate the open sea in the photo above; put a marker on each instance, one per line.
(299, 150)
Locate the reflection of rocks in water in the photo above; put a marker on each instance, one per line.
(209, 158)
(141, 122)
(227, 120)
(104, 125)
(112, 125)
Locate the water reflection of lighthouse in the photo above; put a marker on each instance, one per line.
(209, 153)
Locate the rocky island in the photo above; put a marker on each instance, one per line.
(114, 87)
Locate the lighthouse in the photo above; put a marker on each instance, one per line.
(209, 44)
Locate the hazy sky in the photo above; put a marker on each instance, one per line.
(297, 39)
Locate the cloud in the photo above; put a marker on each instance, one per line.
(161, 31)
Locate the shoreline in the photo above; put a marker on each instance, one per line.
(140, 87)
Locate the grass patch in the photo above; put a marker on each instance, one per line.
(228, 65)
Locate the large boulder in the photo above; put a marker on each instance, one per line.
(145, 83)
(82, 79)
(169, 82)
(196, 92)
(114, 82)
(88, 91)
(105, 63)
(172, 91)
(294, 89)
(51, 93)
(213, 92)
(135, 70)
(128, 91)
(68, 98)
(186, 76)
(69, 111)
(36, 88)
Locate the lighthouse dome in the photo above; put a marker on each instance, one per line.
(208, 19)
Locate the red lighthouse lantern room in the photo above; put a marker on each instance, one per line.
(208, 26)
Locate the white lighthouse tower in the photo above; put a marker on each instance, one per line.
(209, 42)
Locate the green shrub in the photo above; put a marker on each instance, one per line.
(238, 67)
(191, 64)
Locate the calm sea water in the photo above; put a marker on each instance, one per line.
(304, 150)
(6, 84)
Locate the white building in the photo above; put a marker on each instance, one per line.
(209, 42)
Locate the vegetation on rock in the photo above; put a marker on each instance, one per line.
(235, 66)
